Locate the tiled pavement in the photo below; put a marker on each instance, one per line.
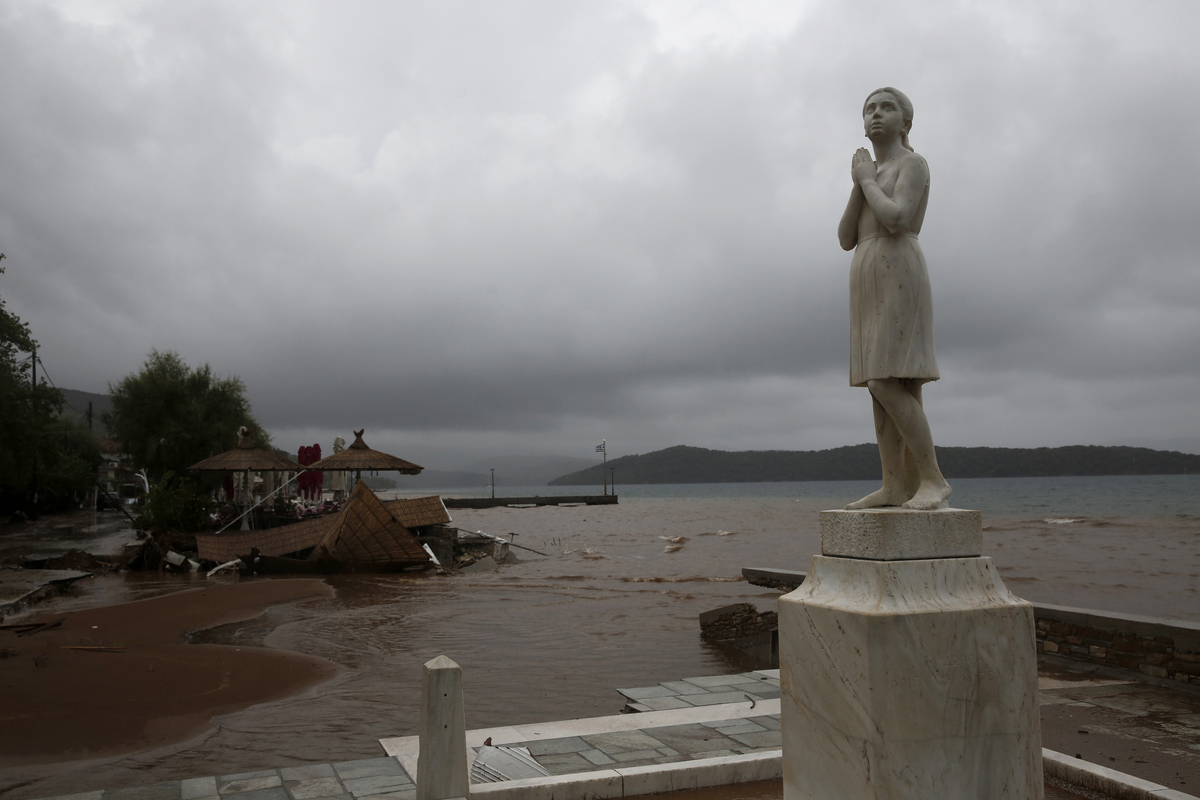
(661, 745)
(706, 691)
(665, 744)
(687, 720)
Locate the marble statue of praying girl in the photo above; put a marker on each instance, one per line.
(891, 333)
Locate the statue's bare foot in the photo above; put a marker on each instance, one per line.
(930, 495)
(878, 499)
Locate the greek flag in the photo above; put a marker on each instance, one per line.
(600, 447)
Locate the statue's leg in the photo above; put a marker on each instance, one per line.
(912, 477)
(892, 459)
(903, 406)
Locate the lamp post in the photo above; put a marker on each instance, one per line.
(612, 471)
(493, 483)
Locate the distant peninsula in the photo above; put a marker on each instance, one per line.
(684, 464)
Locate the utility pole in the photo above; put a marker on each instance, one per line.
(33, 487)
(603, 449)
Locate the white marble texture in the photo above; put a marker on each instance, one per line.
(898, 533)
(891, 306)
(908, 680)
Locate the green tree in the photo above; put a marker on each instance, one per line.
(168, 416)
(44, 461)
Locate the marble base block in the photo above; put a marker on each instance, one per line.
(895, 533)
(908, 680)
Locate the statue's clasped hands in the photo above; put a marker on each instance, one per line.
(862, 166)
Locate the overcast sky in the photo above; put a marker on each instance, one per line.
(523, 227)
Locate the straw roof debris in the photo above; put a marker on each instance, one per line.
(417, 512)
(360, 457)
(270, 542)
(366, 536)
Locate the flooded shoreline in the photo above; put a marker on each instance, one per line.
(614, 605)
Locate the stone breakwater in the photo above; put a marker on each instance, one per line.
(1151, 647)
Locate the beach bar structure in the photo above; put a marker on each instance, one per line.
(368, 535)
(246, 459)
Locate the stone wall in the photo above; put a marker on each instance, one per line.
(1157, 648)
(736, 622)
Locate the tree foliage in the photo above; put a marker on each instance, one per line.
(168, 416)
(176, 503)
(42, 457)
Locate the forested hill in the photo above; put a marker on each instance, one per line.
(683, 464)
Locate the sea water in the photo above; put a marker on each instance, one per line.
(1143, 496)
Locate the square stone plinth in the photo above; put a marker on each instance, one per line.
(890, 534)
(908, 680)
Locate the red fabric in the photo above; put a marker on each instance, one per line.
(318, 478)
(304, 482)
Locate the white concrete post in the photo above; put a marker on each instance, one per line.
(442, 761)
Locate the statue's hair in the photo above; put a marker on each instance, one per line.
(906, 108)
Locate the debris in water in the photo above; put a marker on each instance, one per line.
(27, 628)
(228, 566)
(95, 649)
(496, 764)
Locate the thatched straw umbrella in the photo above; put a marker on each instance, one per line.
(358, 457)
(246, 458)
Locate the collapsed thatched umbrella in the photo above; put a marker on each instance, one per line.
(358, 457)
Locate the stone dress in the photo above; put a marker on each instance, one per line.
(891, 307)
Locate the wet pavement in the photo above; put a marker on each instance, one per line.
(1140, 729)
(104, 534)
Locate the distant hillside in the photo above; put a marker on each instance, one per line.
(516, 470)
(76, 407)
(440, 479)
(683, 464)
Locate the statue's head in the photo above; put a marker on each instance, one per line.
(906, 109)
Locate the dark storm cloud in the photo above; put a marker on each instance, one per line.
(531, 225)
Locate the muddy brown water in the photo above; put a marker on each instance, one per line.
(613, 605)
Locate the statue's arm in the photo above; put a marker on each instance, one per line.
(848, 227)
(895, 212)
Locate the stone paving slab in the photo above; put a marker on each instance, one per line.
(704, 691)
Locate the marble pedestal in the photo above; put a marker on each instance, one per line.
(908, 679)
